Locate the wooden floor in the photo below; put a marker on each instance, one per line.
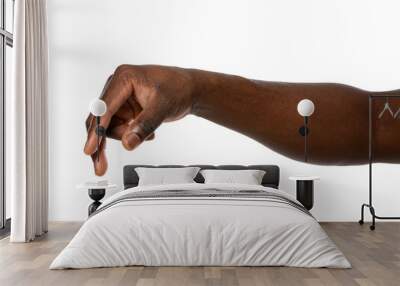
(375, 257)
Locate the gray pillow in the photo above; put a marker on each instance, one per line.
(248, 177)
(165, 176)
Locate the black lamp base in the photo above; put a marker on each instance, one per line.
(96, 195)
(305, 193)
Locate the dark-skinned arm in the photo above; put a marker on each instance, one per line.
(141, 98)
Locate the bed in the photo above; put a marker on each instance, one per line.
(201, 224)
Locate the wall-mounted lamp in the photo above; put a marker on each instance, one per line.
(305, 108)
(98, 108)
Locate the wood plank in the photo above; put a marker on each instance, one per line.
(375, 257)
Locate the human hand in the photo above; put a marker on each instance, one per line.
(138, 99)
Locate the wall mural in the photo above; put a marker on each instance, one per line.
(140, 98)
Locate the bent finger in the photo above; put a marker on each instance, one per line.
(100, 164)
(114, 95)
(142, 127)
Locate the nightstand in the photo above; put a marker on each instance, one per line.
(305, 190)
(96, 193)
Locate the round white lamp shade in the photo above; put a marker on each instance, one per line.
(97, 107)
(305, 107)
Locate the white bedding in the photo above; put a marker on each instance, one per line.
(200, 231)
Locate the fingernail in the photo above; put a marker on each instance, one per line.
(131, 141)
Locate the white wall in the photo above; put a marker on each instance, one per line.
(353, 42)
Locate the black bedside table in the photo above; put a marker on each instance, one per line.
(305, 190)
(96, 193)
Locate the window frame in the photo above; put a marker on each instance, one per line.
(6, 39)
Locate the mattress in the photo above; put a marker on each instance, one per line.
(201, 225)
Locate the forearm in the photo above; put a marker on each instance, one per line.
(231, 101)
(267, 112)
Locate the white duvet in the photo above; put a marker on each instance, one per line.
(200, 231)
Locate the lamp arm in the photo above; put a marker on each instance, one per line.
(305, 138)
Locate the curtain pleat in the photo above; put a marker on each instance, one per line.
(30, 160)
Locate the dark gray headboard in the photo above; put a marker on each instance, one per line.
(271, 177)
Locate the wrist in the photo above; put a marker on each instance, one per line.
(207, 88)
(213, 90)
(201, 86)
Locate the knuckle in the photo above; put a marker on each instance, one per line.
(122, 67)
(147, 127)
(123, 70)
(124, 73)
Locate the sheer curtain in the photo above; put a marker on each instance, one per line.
(28, 158)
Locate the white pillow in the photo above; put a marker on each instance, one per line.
(163, 176)
(248, 177)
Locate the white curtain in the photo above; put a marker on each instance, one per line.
(28, 158)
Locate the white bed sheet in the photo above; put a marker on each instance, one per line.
(193, 231)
